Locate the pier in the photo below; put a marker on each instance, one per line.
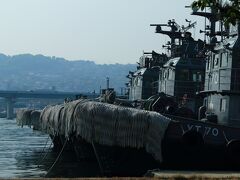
(167, 174)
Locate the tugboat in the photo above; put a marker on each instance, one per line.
(181, 75)
(212, 141)
(191, 121)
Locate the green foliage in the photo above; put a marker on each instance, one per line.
(228, 11)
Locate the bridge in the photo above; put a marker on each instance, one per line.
(10, 97)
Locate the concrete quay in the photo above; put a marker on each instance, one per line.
(168, 174)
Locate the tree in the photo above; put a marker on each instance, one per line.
(228, 11)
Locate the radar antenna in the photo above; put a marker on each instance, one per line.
(190, 25)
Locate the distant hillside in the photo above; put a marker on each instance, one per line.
(29, 72)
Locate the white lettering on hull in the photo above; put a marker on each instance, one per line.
(205, 129)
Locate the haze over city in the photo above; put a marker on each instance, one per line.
(103, 31)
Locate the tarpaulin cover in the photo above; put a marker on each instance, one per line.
(107, 124)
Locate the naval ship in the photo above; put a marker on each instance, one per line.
(182, 111)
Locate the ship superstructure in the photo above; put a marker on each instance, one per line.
(222, 77)
(143, 82)
(183, 74)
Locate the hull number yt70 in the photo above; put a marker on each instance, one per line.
(207, 130)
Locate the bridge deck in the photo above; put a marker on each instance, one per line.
(43, 94)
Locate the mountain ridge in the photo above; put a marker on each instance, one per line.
(33, 72)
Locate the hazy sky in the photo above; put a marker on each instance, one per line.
(104, 31)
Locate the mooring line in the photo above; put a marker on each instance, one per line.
(45, 155)
(57, 157)
(98, 159)
(224, 135)
(43, 149)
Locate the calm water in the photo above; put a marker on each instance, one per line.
(21, 151)
(22, 155)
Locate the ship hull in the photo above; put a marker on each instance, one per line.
(187, 145)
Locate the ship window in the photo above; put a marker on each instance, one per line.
(170, 74)
(197, 77)
(194, 77)
(166, 74)
(177, 42)
(208, 63)
(160, 75)
(205, 101)
(137, 81)
(223, 103)
(215, 61)
(224, 59)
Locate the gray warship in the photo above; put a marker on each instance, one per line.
(182, 111)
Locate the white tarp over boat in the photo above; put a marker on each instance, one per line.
(28, 117)
(107, 124)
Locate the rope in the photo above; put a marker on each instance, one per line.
(183, 131)
(43, 148)
(49, 170)
(227, 140)
(150, 173)
(98, 159)
(45, 155)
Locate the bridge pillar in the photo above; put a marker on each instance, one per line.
(10, 103)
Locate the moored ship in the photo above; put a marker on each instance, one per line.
(189, 120)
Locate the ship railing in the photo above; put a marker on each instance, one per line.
(174, 117)
(183, 87)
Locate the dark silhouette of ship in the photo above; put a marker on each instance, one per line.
(198, 87)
